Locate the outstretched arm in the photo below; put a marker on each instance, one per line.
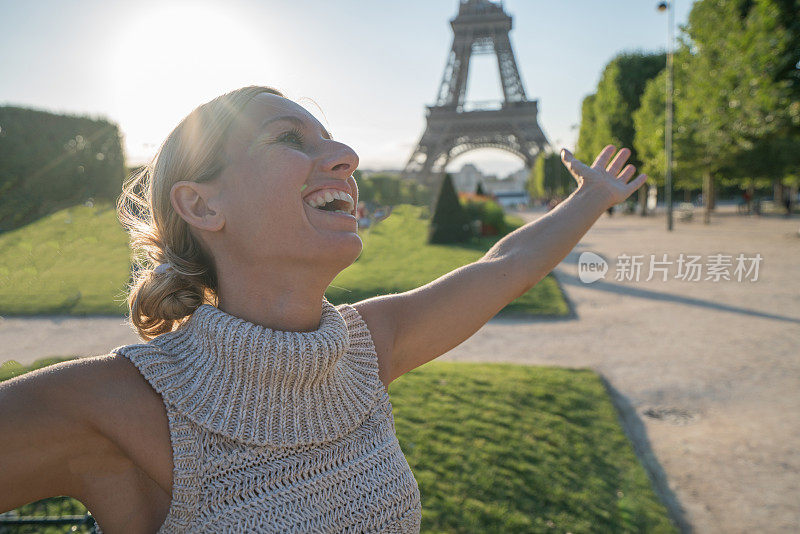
(414, 327)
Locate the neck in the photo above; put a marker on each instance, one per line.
(276, 297)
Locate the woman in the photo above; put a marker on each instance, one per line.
(256, 405)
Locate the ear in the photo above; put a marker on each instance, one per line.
(196, 204)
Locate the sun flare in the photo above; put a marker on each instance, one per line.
(174, 56)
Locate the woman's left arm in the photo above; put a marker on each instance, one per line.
(414, 327)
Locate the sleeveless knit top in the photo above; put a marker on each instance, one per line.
(278, 431)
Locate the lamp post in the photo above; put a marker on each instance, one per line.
(668, 6)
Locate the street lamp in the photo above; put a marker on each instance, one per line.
(668, 6)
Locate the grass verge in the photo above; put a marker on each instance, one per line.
(73, 262)
(512, 448)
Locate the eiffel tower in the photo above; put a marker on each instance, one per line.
(455, 126)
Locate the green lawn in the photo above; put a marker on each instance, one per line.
(396, 258)
(76, 262)
(509, 448)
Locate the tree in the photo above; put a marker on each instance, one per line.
(549, 177)
(449, 223)
(588, 142)
(649, 125)
(386, 189)
(618, 95)
(769, 82)
(742, 88)
(607, 115)
(535, 183)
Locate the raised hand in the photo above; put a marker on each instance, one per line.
(603, 178)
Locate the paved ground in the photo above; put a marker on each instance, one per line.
(716, 365)
(705, 374)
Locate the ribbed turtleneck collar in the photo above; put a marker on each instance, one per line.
(263, 386)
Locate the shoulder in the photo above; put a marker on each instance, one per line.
(372, 331)
(126, 410)
(120, 384)
(85, 382)
(98, 409)
(357, 326)
(106, 391)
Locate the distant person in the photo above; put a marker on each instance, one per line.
(362, 210)
(652, 198)
(747, 197)
(787, 203)
(253, 403)
(610, 211)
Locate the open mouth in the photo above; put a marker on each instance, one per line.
(337, 213)
(332, 201)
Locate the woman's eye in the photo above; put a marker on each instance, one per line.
(294, 137)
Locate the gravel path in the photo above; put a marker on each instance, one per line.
(706, 374)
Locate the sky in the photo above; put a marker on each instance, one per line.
(364, 69)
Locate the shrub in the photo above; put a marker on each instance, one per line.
(387, 189)
(482, 208)
(49, 162)
(450, 223)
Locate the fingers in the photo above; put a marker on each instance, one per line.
(637, 183)
(626, 173)
(567, 158)
(619, 161)
(602, 158)
(569, 162)
(574, 165)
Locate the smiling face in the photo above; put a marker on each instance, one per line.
(278, 154)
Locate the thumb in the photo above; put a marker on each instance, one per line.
(568, 159)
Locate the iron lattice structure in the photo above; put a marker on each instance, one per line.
(455, 126)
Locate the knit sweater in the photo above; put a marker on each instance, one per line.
(278, 431)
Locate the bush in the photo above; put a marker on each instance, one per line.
(49, 162)
(482, 208)
(450, 223)
(387, 189)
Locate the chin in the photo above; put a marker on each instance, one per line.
(349, 252)
(353, 251)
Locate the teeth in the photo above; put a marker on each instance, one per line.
(318, 199)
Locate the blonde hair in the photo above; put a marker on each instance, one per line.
(160, 301)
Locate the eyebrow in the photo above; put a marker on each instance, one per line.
(293, 119)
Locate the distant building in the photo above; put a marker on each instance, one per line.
(513, 199)
(509, 191)
(467, 178)
(520, 176)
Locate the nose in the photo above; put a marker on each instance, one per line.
(340, 159)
